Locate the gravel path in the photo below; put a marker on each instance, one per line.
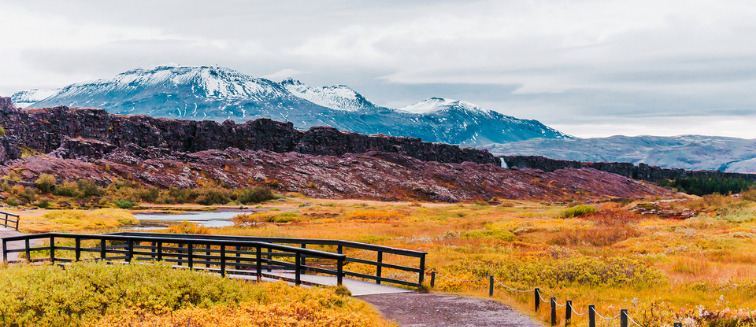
(433, 309)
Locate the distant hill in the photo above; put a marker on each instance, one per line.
(692, 152)
(217, 93)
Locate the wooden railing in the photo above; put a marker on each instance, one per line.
(8, 222)
(227, 257)
(340, 247)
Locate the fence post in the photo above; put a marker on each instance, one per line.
(28, 250)
(591, 315)
(433, 278)
(568, 313)
(153, 249)
(160, 251)
(238, 255)
(131, 250)
(339, 271)
(52, 249)
(179, 255)
(422, 269)
(207, 253)
(537, 298)
(297, 268)
(223, 260)
(378, 267)
(259, 264)
(490, 285)
(103, 244)
(270, 259)
(5, 250)
(304, 262)
(623, 318)
(77, 248)
(190, 255)
(553, 311)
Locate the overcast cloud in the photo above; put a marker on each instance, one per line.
(588, 68)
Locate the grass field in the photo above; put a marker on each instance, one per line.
(700, 271)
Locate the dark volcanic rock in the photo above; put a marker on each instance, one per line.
(641, 171)
(45, 130)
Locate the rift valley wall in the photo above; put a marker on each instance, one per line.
(46, 130)
(641, 171)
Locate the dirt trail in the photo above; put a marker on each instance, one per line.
(446, 310)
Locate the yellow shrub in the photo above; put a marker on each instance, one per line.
(374, 215)
(76, 220)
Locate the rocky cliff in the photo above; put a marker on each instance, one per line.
(641, 171)
(92, 133)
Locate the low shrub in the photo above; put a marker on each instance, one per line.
(501, 235)
(256, 194)
(70, 189)
(374, 215)
(124, 204)
(188, 228)
(577, 211)
(45, 183)
(12, 201)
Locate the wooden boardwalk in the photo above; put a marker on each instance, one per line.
(7, 232)
(357, 287)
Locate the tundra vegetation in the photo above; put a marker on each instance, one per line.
(689, 259)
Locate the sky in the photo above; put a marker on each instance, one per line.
(587, 68)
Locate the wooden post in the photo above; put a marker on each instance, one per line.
(591, 315)
(623, 318)
(5, 250)
(490, 285)
(207, 253)
(238, 256)
(339, 271)
(304, 263)
(160, 251)
(422, 269)
(259, 264)
(103, 245)
(190, 255)
(28, 250)
(297, 268)
(433, 278)
(52, 249)
(77, 248)
(223, 260)
(553, 311)
(537, 298)
(131, 251)
(153, 250)
(179, 255)
(378, 267)
(568, 313)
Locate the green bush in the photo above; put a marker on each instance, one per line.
(12, 201)
(45, 183)
(43, 203)
(256, 194)
(88, 187)
(210, 196)
(68, 189)
(124, 204)
(577, 211)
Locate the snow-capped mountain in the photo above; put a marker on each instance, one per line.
(217, 93)
(339, 97)
(24, 99)
(433, 105)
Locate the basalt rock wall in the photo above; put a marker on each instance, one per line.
(51, 129)
(641, 171)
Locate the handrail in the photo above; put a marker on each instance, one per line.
(313, 241)
(301, 253)
(7, 223)
(378, 263)
(190, 255)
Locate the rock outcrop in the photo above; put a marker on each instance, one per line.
(641, 171)
(46, 130)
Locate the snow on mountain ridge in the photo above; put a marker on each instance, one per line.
(437, 104)
(339, 97)
(25, 98)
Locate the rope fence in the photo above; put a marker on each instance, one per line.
(538, 299)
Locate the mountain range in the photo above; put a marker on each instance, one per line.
(218, 93)
(692, 152)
